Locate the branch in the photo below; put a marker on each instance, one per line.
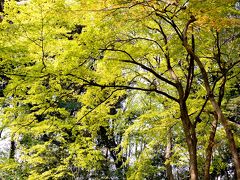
(140, 89)
(218, 55)
(225, 73)
(132, 61)
(169, 66)
(234, 120)
(42, 41)
(25, 75)
(184, 34)
(121, 87)
(78, 122)
(190, 72)
(172, 23)
(142, 38)
(198, 119)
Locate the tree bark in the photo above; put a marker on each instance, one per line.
(189, 128)
(168, 156)
(1, 9)
(191, 139)
(1, 5)
(209, 149)
(218, 110)
(231, 141)
(12, 149)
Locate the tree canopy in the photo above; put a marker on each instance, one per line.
(120, 89)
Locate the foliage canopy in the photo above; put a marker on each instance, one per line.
(120, 89)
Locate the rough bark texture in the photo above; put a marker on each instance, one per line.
(191, 139)
(209, 149)
(168, 156)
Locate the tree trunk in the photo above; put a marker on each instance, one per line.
(189, 128)
(209, 149)
(1, 5)
(229, 134)
(12, 150)
(1, 9)
(191, 140)
(168, 155)
(218, 111)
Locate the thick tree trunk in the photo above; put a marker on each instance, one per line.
(209, 149)
(193, 163)
(168, 156)
(191, 140)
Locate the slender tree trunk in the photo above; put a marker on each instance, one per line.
(168, 156)
(193, 158)
(217, 109)
(189, 128)
(12, 149)
(229, 134)
(209, 149)
(1, 5)
(1, 9)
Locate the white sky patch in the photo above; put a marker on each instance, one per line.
(5, 143)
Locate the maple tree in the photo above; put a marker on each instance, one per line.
(120, 89)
